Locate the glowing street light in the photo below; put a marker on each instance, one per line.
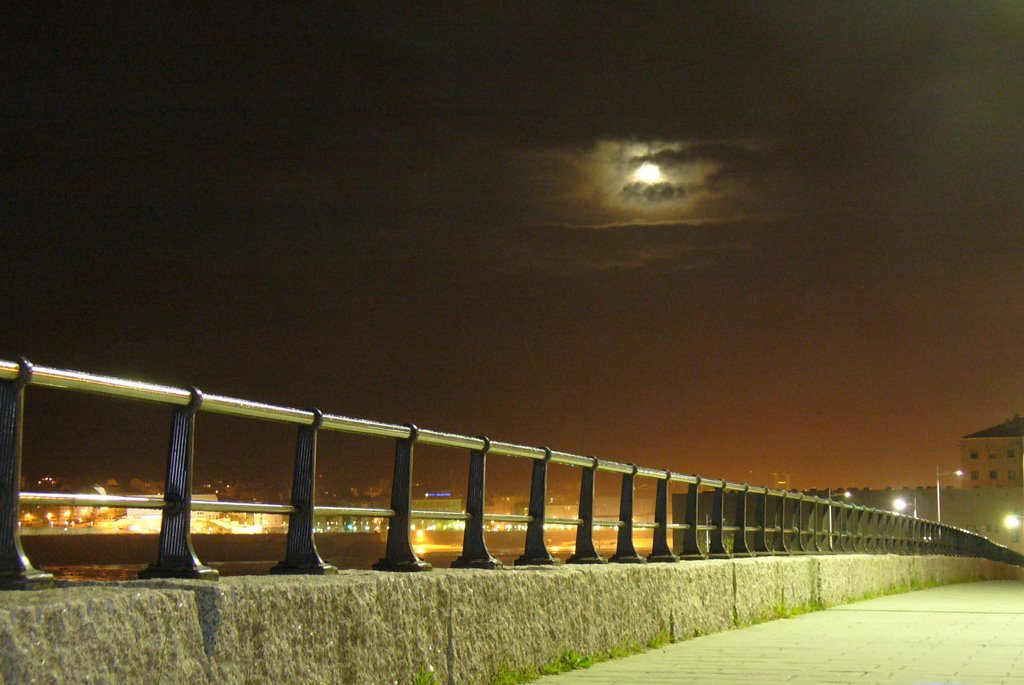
(938, 490)
(1012, 521)
(899, 504)
(844, 495)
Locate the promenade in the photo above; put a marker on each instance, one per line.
(969, 634)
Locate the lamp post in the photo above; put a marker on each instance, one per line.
(938, 490)
(845, 495)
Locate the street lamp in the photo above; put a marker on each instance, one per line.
(1012, 522)
(938, 490)
(845, 495)
(900, 505)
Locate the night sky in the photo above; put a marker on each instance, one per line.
(729, 238)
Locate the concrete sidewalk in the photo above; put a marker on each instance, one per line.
(965, 634)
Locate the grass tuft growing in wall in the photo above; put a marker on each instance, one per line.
(425, 676)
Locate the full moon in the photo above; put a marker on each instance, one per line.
(648, 173)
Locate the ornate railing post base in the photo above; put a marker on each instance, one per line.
(628, 559)
(489, 563)
(598, 559)
(410, 566)
(662, 558)
(199, 572)
(286, 568)
(537, 561)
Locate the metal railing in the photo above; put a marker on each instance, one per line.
(744, 520)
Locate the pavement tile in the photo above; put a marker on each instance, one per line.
(965, 634)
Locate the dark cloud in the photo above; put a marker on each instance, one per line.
(724, 153)
(653, 192)
(665, 248)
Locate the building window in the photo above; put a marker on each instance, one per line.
(991, 455)
(974, 475)
(992, 475)
(1011, 475)
(974, 455)
(1011, 453)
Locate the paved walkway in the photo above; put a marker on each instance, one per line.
(964, 634)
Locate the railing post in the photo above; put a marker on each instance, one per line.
(301, 555)
(474, 549)
(660, 550)
(691, 540)
(399, 554)
(846, 529)
(901, 535)
(864, 531)
(762, 513)
(817, 525)
(782, 517)
(874, 541)
(855, 523)
(830, 529)
(882, 531)
(585, 552)
(16, 571)
(915, 536)
(834, 545)
(625, 551)
(177, 558)
(740, 548)
(536, 552)
(798, 524)
(894, 534)
(858, 531)
(716, 545)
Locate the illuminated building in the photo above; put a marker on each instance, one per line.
(993, 457)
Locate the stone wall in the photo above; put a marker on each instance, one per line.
(373, 628)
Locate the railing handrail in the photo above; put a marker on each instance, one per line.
(64, 379)
(786, 521)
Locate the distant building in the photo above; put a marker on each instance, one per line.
(994, 457)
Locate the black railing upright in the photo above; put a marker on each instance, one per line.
(744, 520)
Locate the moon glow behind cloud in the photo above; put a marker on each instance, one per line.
(648, 172)
(667, 181)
